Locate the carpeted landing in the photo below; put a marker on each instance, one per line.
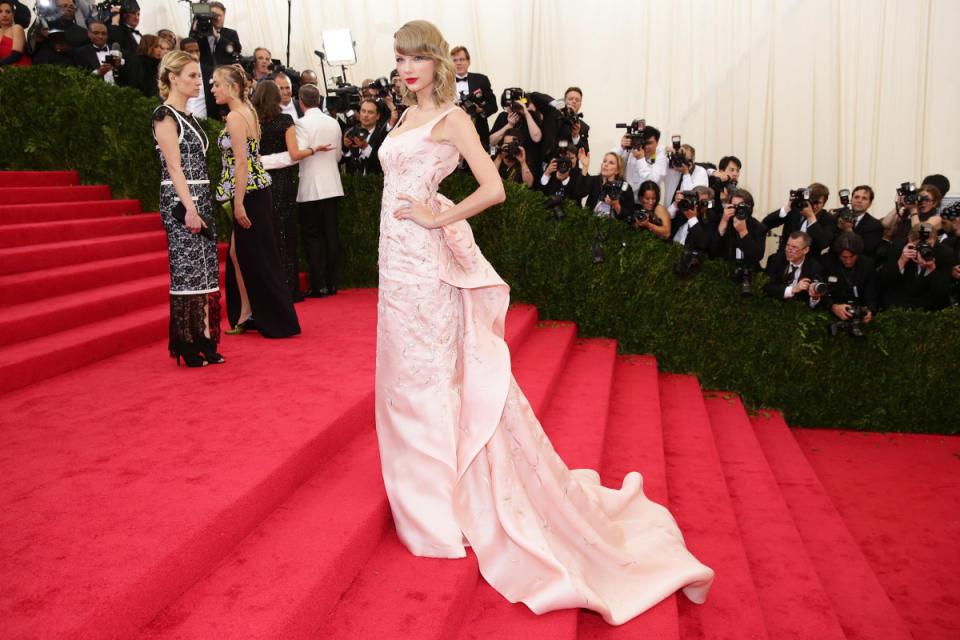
(140, 499)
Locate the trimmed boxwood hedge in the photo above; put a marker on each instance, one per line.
(774, 354)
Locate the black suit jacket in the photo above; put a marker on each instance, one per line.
(860, 284)
(86, 57)
(912, 290)
(555, 187)
(370, 164)
(779, 279)
(590, 187)
(753, 245)
(131, 73)
(821, 231)
(871, 231)
(479, 82)
(219, 55)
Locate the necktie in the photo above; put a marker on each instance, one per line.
(461, 79)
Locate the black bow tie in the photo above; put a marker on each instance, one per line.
(101, 49)
(461, 79)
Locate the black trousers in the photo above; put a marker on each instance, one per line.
(321, 242)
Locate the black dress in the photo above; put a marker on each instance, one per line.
(256, 249)
(194, 271)
(284, 192)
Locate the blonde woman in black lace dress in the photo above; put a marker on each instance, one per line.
(187, 215)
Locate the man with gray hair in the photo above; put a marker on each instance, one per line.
(319, 190)
(792, 270)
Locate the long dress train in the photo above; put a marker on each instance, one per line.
(464, 458)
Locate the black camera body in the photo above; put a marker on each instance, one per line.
(952, 212)
(357, 131)
(677, 159)
(635, 131)
(742, 211)
(642, 215)
(564, 164)
(510, 98)
(344, 97)
(845, 213)
(743, 273)
(688, 202)
(923, 246)
(555, 204)
(908, 191)
(689, 265)
(472, 103)
(855, 325)
(799, 199)
(511, 148)
(613, 189)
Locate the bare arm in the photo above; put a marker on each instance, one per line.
(168, 141)
(661, 230)
(237, 129)
(296, 153)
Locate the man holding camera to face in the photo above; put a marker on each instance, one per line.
(683, 174)
(218, 44)
(852, 217)
(644, 159)
(511, 159)
(792, 270)
(852, 285)
(738, 238)
(917, 272)
(474, 94)
(804, 212)
(692, 210)
(560, 177)
(362, 141)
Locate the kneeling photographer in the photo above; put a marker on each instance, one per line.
(650, 214)
(739, 238)
(560, 178)
(511, 159)
(692, 227)
(917, 272)
(852, 290)
(608, 194)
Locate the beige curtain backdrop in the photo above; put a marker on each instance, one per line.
(843, 92)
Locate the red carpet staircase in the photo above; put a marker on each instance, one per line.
(267, 518)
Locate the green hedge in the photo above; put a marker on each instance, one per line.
(776, 355)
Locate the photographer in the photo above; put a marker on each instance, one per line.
(913, 207)
(853, 217)
(853, 292)
(262, 61)
(562, 123)
(691, 227)
(792, 270)
(917, 274)
(644, 159)
(562, 173)
(650, 214)
(362, 141)
(739, 238)
(126, 35)
(96, 56)
(521, 115)
(729, 170)
(608, 194)
(804, 212)
(683, 174)
(474, 94)
(218, 44)
(56, 38)
(511, 159)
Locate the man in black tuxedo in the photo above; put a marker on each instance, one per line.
(807, 216)
(917, 275)
(93, 56)
(853, 278)
(56, 43)
(126, 35)
(483, 103)
(218, 45)
(863, 224)
(792, 270)
(360, 149)
(208, 108)
(561, 179)
(738, 240)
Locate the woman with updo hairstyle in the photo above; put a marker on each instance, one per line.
(187, 214)
(464, 459)
(257, 293)
(13, 38)
(279, 135)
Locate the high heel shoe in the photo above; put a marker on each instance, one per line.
(209, 351)
(242, 327)
(190, 354)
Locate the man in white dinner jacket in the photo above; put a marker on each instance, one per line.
(320, 188)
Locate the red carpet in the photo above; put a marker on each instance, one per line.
(244, 500)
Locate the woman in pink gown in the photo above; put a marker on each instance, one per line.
(465, 461)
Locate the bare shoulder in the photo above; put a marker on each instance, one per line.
(454, 126)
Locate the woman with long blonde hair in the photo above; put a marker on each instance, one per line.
(464, 459)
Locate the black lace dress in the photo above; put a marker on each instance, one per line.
(194, 271)
(273, 140)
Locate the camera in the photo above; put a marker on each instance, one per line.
(357, 131)
(853, 326)
(511, 148)
(845, 213)
(799, 199)
(104, 10)
(555, 204)
(742, 211)
(510, 98)
(114, 57)
(821, 288)
(563, 159)
(472, 103)
(676, 157)
(689, 264)
(923, 246)
(613, 189)
(952, 212)
(642, 215)
(343, 96)
(635, 131)
(908, 191)
(381, 85)
(688, 202)
(742, 274)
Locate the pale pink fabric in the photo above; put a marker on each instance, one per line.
(464, 458)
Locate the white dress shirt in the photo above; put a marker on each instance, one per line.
(290, 109)
(676, 181)
(639, 170)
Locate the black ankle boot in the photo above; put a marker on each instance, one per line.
(209, 350)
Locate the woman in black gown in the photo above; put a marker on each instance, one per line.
(278, 134)
(191, 239)
(257, 295)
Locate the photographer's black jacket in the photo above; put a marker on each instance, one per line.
(859, 284)
(753, 245)
(371, 164)
(533, 149)
(821, 231)
(478, 81)
(555, 187)
(910, 289)
(779, 278)
(551, 127)
(219, 55)
(590, 187)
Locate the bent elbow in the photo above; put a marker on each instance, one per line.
(498, 195)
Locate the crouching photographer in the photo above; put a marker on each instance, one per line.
(792, 270)
(608, 194)
(691, 227)
(739, 238)
(649, 213)
(560, 178)
(850, 284)
(511, 159)
(917, 274)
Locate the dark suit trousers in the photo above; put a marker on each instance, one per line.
(321, 243)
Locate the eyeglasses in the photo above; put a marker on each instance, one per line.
(793, 248)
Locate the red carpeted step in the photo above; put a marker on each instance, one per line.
(399, 595)
(700, 502)
(19, 235)
(51, 211)
(634, 442)
(38, 178)
(17, 288)
(30, 195)
(55, 254)
(28, 362)
(521, 319)
(860, 602)
(791, 596)
(35, 319)
(575, 422)
(143, 476)
(298, 562)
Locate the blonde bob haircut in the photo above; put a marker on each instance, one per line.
(172, 62)
(421, 38)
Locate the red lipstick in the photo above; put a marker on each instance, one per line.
(411, 80)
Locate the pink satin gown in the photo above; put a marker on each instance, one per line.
(464, 458)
